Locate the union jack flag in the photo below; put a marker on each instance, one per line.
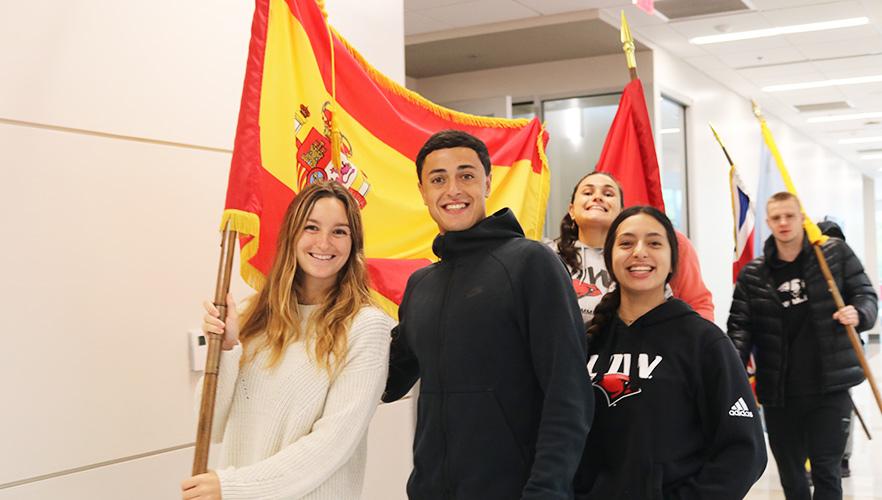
(744, 213)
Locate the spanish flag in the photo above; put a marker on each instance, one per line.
(313, 109)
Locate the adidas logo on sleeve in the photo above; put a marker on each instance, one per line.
(740, 409)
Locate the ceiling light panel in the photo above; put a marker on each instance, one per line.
(823, 106)
(850, 116)
(823, 83)
(861, 140)
(777, 31)
(753, 45)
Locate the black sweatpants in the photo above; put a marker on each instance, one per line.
(813, 427)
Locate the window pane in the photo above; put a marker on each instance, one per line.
(577, 127)
(672, 161)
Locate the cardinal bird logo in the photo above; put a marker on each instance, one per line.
(616, 387)
(583, 289)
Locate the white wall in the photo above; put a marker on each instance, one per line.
(116, 127)
(827, 184)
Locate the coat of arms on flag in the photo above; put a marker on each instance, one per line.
(313, 109)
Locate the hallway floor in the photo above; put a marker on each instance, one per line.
(865, 482)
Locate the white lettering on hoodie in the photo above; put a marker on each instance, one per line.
(621, 363)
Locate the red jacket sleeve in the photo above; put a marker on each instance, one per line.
(687, 284)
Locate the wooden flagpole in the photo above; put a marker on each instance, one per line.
(852, 333)
(832, 284)
(212, 362)
(837, 297)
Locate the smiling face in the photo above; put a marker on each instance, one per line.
(596, 202)
(323, 246)
(454, 188)
(641, 255)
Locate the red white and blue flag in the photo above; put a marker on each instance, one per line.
(744, 213)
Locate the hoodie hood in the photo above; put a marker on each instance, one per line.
(489, 232)
(666, 311)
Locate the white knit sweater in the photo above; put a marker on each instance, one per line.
(290, 432)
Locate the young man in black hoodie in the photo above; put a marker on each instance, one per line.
(805, 360)
(494, 333)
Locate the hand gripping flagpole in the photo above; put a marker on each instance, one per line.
(831, 284)
(212, 361)
(731, 172)
(628, 46)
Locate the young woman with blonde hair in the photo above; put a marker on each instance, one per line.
(294, 402)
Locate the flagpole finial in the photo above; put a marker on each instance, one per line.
(720, 140)
(757, 110)
(711, 125)
(628, 46)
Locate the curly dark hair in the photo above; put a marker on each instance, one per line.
(569, 230)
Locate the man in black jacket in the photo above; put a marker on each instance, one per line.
(805, 360)
(494, 333)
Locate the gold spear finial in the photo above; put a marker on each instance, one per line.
(729, 158)
(716, 134)
(757, 110)
(628, 46)
(628, 43)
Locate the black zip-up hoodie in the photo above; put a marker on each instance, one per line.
(493, 332)
(675, 416)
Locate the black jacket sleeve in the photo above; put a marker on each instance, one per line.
(558, 346)
(404, 367)
(857, 290)
(736, 457)
(739, 327)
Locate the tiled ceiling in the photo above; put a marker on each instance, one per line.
(452, 36)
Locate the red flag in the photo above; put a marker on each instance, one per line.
(629, 151)
(313, 109)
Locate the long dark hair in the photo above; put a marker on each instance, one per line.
(569, 230)
(605, 312)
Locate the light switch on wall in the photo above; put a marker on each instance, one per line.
(198, 350)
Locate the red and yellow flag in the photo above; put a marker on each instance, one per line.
(629, 151)
(312, 108)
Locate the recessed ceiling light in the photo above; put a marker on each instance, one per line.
(784, 30)
(860, 140)
(823, 83)
(877, 156)
(839, 118)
